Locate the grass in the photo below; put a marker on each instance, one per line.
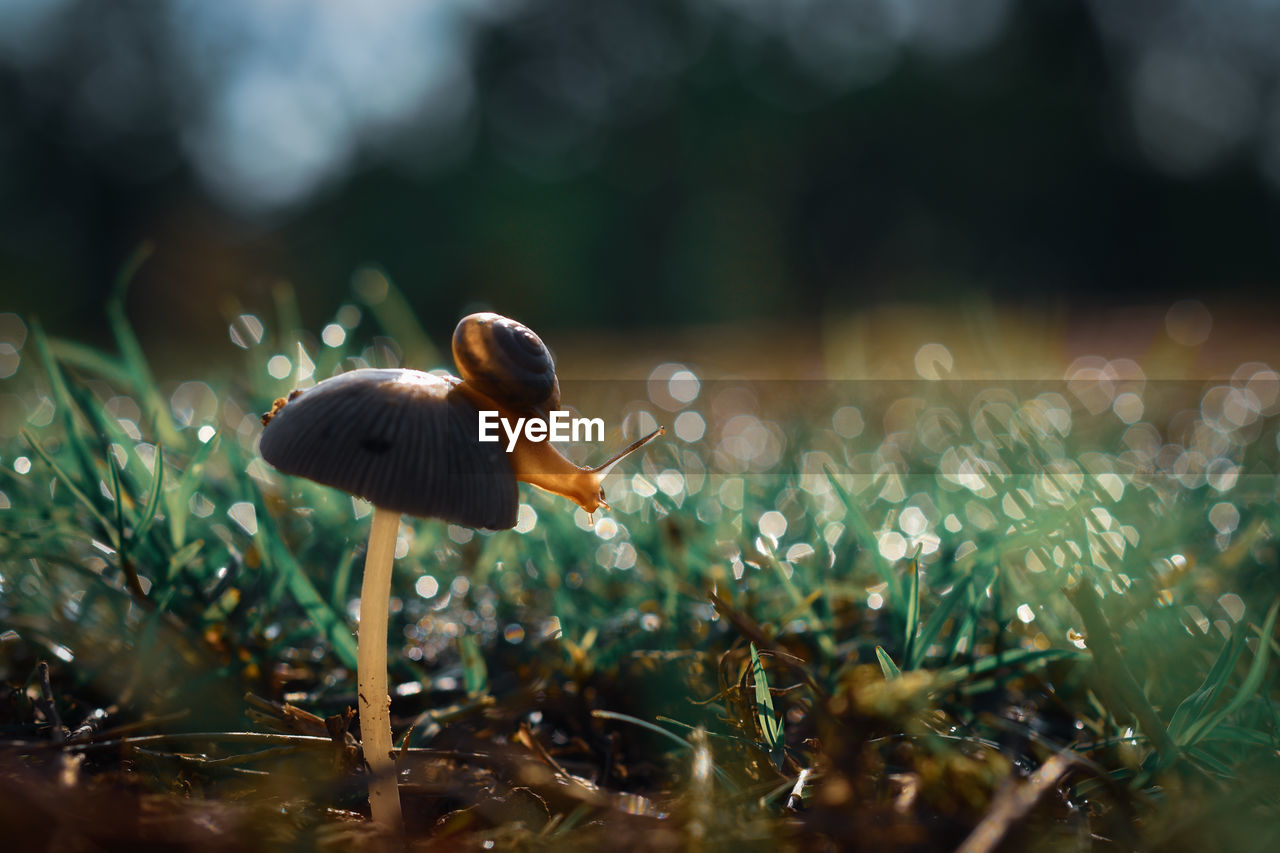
(1007, 621)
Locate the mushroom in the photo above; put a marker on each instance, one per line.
(408, 442)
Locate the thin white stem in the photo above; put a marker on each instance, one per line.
(371, 671)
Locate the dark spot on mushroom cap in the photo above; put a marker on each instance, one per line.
(403, 439)
(375, 445)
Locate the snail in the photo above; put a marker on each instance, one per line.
(411, 442)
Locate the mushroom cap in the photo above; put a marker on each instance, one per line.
(403, 439)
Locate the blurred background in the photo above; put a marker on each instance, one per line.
(637, 164)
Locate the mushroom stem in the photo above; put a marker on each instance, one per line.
(371, 671)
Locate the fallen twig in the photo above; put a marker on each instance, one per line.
(1012, 804)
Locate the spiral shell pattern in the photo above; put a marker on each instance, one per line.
(507, 362)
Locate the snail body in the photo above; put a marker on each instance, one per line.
(409, 441)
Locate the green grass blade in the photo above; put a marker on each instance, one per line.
(67, 482)
(911, 623)
(1252, 681)
(135, 362)
(340, 592)
(117, 496)
(1193, 708)
(771, 726)
(88, 358)
(153, 498)
(937, 619)
(863, 531)
(304, 593)
(108, 431)
(64, 403)
(887, 666)
(724, 777)
(475, 674)
(178, 499)
(644, 724)
(182, 556)
(290, 576)
(1016, 659)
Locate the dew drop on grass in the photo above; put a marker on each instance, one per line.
(913, 521)
(1224, 517)
(348, 316)
(279, 366)
(626, 556)
(642, 487)
(799, 551)
(638, 423)
(1233, 604)
(243, 514)
(773, 524)
(731, 493)
(192, 403)
(245, 331)
(1128, 407)
(847, 421)
(9, 359)
(893, 545)
(690, 426)
(527, 518)
(671, 482)
(426, 586)
(22, 465)
(933, 361)
(684, 386)
(200, 506)
(1222, 474)
(306, 367)
(333, 335)
(1025, 614)
(832, 532)
(605, 556)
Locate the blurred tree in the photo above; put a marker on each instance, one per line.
(630, 163)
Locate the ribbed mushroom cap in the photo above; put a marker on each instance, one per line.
(403, 439)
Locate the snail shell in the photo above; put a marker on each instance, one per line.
(506, 362)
